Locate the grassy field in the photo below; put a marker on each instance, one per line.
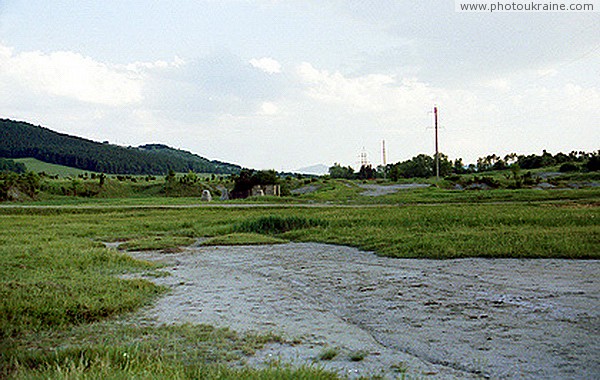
(38, 166)
(65, 309)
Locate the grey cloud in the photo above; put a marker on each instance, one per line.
(460, 46)
(212, 85)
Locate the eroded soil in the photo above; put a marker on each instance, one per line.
(467, 318)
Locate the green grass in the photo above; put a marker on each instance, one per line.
(155, 243)
(275, 224)
(358, 356)
(153, 193)
(61, 294)
(329, 353)
(38, 166)
(243, 238)
(126, 350)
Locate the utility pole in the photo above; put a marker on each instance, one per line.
(384, 161)
(437, 153)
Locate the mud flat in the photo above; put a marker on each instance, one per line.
(466, 318)
(373, 190)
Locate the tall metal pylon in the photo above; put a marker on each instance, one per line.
(363, 158)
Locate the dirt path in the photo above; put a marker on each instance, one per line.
(463, 318)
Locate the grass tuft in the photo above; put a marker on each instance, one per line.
(243, 238)
(277, 224)
(358, 356)
(155, 243)
(329, 353)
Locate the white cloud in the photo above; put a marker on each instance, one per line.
(546, 72)
(498, 84)
(160, 64)
(268, 109)
(363, 92)
(70, 75)
(382, 96)
(496, 116)
(266, 64)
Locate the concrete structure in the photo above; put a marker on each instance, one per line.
(206, 196)
(262, 190)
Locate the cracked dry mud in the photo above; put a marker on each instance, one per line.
(465, 318)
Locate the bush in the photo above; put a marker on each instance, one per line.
(568, 167)
(453, 178)
(594, 163)
(276, 224)
(13, 185)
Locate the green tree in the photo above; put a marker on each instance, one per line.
(515, 169)
(445, 165)
(458, 167)
(421, 166)
(338, 171)
(265, 177)
(366, 172)
(30, 183)
(593, 163)
(7, 165)
(101, 179)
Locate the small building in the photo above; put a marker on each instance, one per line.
(261, 190)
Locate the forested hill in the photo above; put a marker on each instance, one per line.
(20, 139)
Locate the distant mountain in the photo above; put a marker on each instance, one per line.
(21, 139)
(318, 169)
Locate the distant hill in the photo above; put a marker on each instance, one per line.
(21, 139)
(318, 169)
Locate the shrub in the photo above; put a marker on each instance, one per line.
(568, 167)
(276, 224)
(358, 356)
(594, 163)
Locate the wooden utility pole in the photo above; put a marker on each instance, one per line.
(437, 153)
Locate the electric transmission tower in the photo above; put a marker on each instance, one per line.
(364, 161)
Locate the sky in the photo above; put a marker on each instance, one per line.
(282, 85)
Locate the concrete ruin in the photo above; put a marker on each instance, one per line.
(206, 196)
(262, 190)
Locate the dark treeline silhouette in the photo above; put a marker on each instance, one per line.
(20, 140)
(423, 166)
(7, 165)
(248, 178)
(583, 160)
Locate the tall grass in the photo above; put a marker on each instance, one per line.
(53, 281)
(128, 351)
(274, 224)
(58, 281)
(517, 231)
(57, 277)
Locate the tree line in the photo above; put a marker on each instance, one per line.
(20, 140)
(7, 165)
(424, 166)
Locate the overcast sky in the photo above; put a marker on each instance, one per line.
(286, 84)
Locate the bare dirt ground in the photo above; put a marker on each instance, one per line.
(373, 190)
(467, 318)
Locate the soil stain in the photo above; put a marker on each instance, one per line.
(465, 318)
